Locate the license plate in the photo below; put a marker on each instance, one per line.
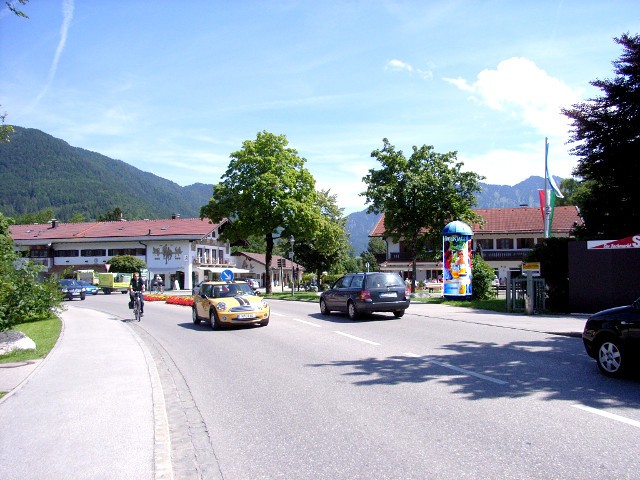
(245, 316)
(388, 295)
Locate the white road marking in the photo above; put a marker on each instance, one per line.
(278, 314)
(459, 370)
(356, 338)
(308, 323)
(612, 416)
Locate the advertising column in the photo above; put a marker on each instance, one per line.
(456, 248)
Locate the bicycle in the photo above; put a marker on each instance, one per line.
(137, 306)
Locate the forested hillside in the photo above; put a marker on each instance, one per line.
(38, 171)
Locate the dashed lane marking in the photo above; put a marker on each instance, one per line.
(459, 370)
(356, 338)
(612, 416)
(308, 323)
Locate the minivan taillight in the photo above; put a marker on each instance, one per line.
(365, 295)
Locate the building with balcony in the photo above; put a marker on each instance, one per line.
(183, 251)
(504, 238)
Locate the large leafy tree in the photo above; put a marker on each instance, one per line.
(126, 264)
(419, 195)
(328, 243)
(267, 191)
(606, 133)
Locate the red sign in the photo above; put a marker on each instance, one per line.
(629, 242)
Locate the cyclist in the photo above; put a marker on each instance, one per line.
(137, 285)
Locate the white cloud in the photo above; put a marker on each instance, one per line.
(519, 87)
(400, 66)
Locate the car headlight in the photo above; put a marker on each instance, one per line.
(264, 304)
(221, 306)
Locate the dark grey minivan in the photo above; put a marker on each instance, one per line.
(363, 293)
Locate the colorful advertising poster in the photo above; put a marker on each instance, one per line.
(457, 261)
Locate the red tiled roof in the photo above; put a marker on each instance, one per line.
(178, 227)
(513, 220)
(261, 259)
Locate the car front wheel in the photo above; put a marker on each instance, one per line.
(213, 319)
(194, 316)
(610, 358)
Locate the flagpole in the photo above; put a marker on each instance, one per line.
(547, 192)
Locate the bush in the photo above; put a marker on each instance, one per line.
(482, 280)
(23, 296)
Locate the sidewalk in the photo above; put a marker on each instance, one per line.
(86, 411)
(571, 325)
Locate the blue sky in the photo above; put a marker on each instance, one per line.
(174, 87)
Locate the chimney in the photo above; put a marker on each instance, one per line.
(175, 216)
(54, 223)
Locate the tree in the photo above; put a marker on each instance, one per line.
(114, 216)
(606, 131)
(5, 130)
(328, 243)
(553, 255)
(265, 191)
(126, 264)
(419, 196)
(24, 297)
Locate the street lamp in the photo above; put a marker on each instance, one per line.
(293, 281)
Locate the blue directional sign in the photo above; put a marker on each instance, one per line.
(226, 276)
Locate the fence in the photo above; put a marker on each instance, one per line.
(517, 295)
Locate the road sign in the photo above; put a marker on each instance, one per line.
(226, 276)
(532, 268)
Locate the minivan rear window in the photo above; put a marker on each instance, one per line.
(381, 280)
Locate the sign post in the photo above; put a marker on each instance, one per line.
(530, 269)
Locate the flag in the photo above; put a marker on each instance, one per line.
(548, 195)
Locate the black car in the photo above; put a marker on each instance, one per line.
(72, 289)
(362, 293)
(612, 337)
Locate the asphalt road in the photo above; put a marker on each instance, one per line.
(436, 394)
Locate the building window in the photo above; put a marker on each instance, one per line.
(484, 243)
(114, 252)
(67, 253)
(93, 252)
(504, 243)
(524, 243)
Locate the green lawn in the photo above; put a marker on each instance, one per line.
(44, 333)
(496, 305)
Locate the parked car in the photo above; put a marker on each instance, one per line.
(229, 303)
(364, 293)
(72, 289)
(612, 337)
(89, 288)
(253, 283)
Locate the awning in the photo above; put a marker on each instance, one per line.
(222, 269)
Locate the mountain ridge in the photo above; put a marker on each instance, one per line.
(103, 184)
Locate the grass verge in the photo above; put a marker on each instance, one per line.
(44, 333)
(494, 304)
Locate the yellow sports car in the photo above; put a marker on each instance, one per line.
(229, 303)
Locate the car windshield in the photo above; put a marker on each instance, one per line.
(231, 290)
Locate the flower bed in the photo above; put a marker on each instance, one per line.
(172, 299)
(155, 297)
(175, 300)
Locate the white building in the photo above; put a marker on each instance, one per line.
(183, 251)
